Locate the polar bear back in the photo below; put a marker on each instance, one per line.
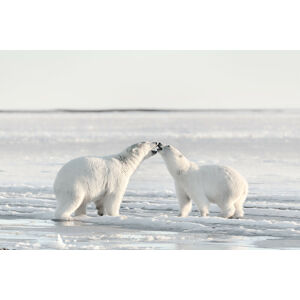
(88, 175)
(219, 182)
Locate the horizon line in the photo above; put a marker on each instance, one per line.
(108, 110)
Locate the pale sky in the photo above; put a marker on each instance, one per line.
(149, 79)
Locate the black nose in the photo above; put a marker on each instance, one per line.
(159, 146)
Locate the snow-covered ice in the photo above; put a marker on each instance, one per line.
(264, 146)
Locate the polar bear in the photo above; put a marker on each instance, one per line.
(102, 180)
(205, 184)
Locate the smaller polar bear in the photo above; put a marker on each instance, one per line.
(205, 184)
(102, 180)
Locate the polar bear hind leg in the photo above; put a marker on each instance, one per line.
(66, 205)
(239, 211)
(239, 207)
(227, 210)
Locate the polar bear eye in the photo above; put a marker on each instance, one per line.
(180, 155)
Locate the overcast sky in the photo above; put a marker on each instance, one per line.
(149, 79)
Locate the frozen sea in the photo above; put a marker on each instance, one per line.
(262, 145)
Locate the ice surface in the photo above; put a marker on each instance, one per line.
(263, 145)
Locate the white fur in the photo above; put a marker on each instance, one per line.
(205, 184)
(102, 180)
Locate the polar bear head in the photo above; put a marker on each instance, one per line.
(176, 162)
(143, 150)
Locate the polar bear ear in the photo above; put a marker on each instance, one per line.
(141, 143)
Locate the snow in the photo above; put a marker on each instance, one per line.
(264, 146)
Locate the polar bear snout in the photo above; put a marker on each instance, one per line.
(150, 148)
(162, 148)
(156, 148)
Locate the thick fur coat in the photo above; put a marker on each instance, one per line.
(102, 180)
(205, 184)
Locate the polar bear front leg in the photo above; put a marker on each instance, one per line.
(81, 210)
(112, 203)
(202, 204)
(100, 207)
(185, 203)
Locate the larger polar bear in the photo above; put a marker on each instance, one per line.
(205, 184)
(102, 180)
